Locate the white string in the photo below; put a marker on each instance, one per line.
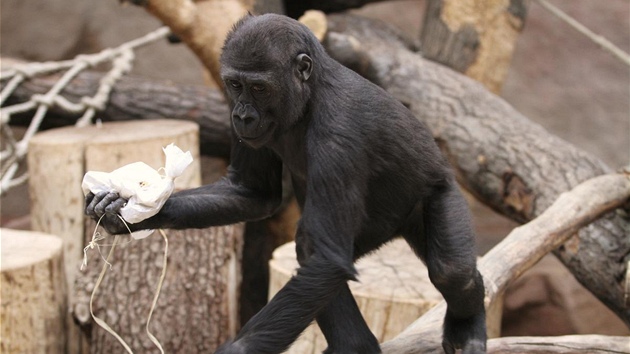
(157, 292)
(99, 321)
(93, 244)
(96, 236)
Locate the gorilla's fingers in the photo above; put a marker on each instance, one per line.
(99, 209)
(448, 348)
(88, 200)
(115, 206)
(95, 199)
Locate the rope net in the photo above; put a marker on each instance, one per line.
(13, 151)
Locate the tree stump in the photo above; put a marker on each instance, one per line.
(197, 309)
(393, 291)
(33, 307)
(59, 158)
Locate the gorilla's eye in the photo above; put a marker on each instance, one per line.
(234, 84)
(258, 88)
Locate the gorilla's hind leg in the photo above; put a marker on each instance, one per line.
(344, 327)
(449, 251)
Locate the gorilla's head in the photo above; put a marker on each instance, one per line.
(267, 67)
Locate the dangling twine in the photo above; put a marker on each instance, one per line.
(157, 293)
(96, 236)
(99, 321)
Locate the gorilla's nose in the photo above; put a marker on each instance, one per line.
(247, 114)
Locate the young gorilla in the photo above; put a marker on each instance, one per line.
(364, 171)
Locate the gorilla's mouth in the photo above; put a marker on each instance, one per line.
(259, 139)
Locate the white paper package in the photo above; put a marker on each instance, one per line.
(145, 188)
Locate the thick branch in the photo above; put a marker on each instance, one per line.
(504, 159)
(527, 244)
(521, 249)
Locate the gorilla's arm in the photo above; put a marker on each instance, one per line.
(251, 190)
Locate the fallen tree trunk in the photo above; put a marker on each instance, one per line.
(523, 248)
(505, 160)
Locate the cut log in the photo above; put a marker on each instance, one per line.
(197, 309)
(33, 307)
(198, 305)
(393, 291)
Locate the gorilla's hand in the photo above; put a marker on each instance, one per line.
(106, 205)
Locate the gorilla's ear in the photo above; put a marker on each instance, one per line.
(304, 66)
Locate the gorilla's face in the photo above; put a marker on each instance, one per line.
(264, 73)
(255, 113)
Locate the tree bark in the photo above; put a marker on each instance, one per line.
(474, 37)
(505, 160)
(197, 308)
(57, 199)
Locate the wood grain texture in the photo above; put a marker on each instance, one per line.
(32, 287)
